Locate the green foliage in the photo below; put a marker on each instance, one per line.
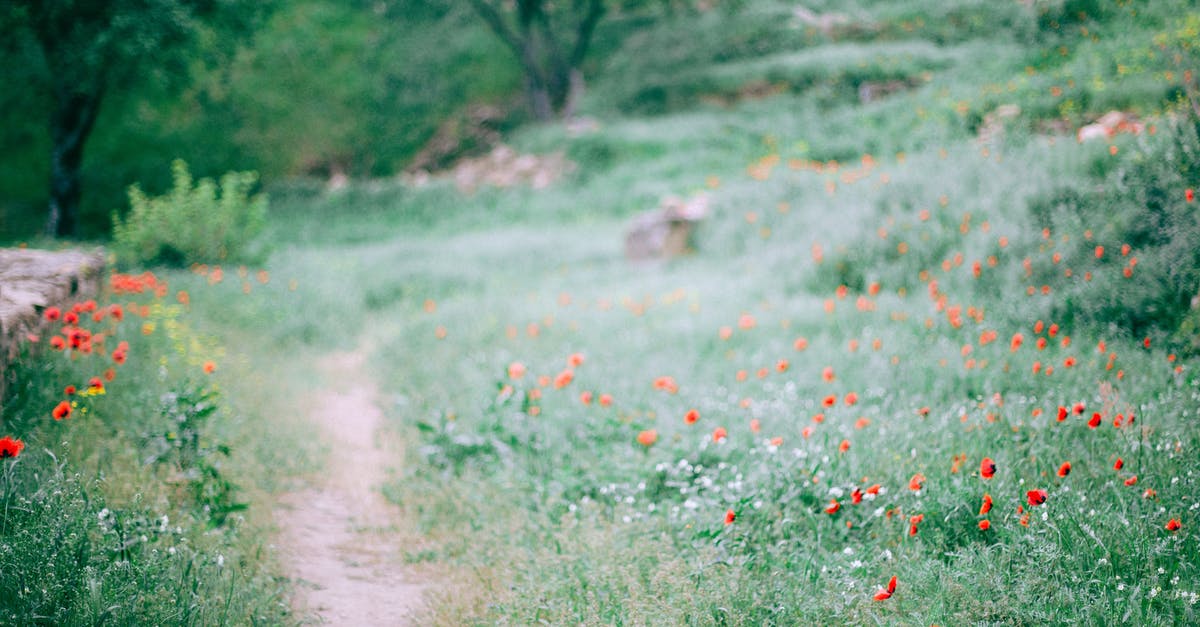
(1149, 288)
(122, 512)
(204, 223)
(182, 442)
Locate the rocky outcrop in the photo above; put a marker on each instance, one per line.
(31, 281)
(1109, 125)
(666, 231)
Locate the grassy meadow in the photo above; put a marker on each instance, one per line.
(898, 352)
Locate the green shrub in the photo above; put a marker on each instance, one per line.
(193, 224)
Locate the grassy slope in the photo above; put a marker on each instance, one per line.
(563, 517)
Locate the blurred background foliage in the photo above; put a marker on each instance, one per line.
(320, 88)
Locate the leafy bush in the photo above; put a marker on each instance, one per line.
(193, 224)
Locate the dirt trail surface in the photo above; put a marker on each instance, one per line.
(339, 536)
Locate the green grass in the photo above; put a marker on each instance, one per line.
(147, 503)
(572, 521)
(559, 515)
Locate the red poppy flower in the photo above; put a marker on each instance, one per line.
(647, 437)
(800, 344)
(58, 343)
(1172, 525)
(913, 522)
(833, 507)
(585, 398)
(1080, 407)
(1189, 195)
(1065, 469)
(916, 482)
(719, 434)
(850, 398)
(606, 400)
(1130, 481)
(886, 593)
(10, 447)
(730, 516)
(856, 496)
(52, 313)
(1119, 464)
(69, 390)
(564, 378)
(666, 384)
(62, 410)
(827, 374)
(574, 360)
(1036, 497)
(987, 504)
(829, 401)
(1095, 421)
(691, 416)
(844, 446)
(874, 489)
(1062, 413)
(516, 370)
(984, 525)
(987, 468)
(781, 365)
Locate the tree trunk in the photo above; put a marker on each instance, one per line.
(574, 94)
(539, 100)
(551, 68)
(70, 124)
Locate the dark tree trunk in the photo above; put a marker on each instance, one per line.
(551, 67)
(70, 124)
(537, 84)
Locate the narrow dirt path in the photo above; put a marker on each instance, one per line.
(339, 536)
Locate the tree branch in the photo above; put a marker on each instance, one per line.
(595, 11)
(495, 21)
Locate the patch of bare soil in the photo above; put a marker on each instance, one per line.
(340, 536)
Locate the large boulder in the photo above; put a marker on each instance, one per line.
(665, 231)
